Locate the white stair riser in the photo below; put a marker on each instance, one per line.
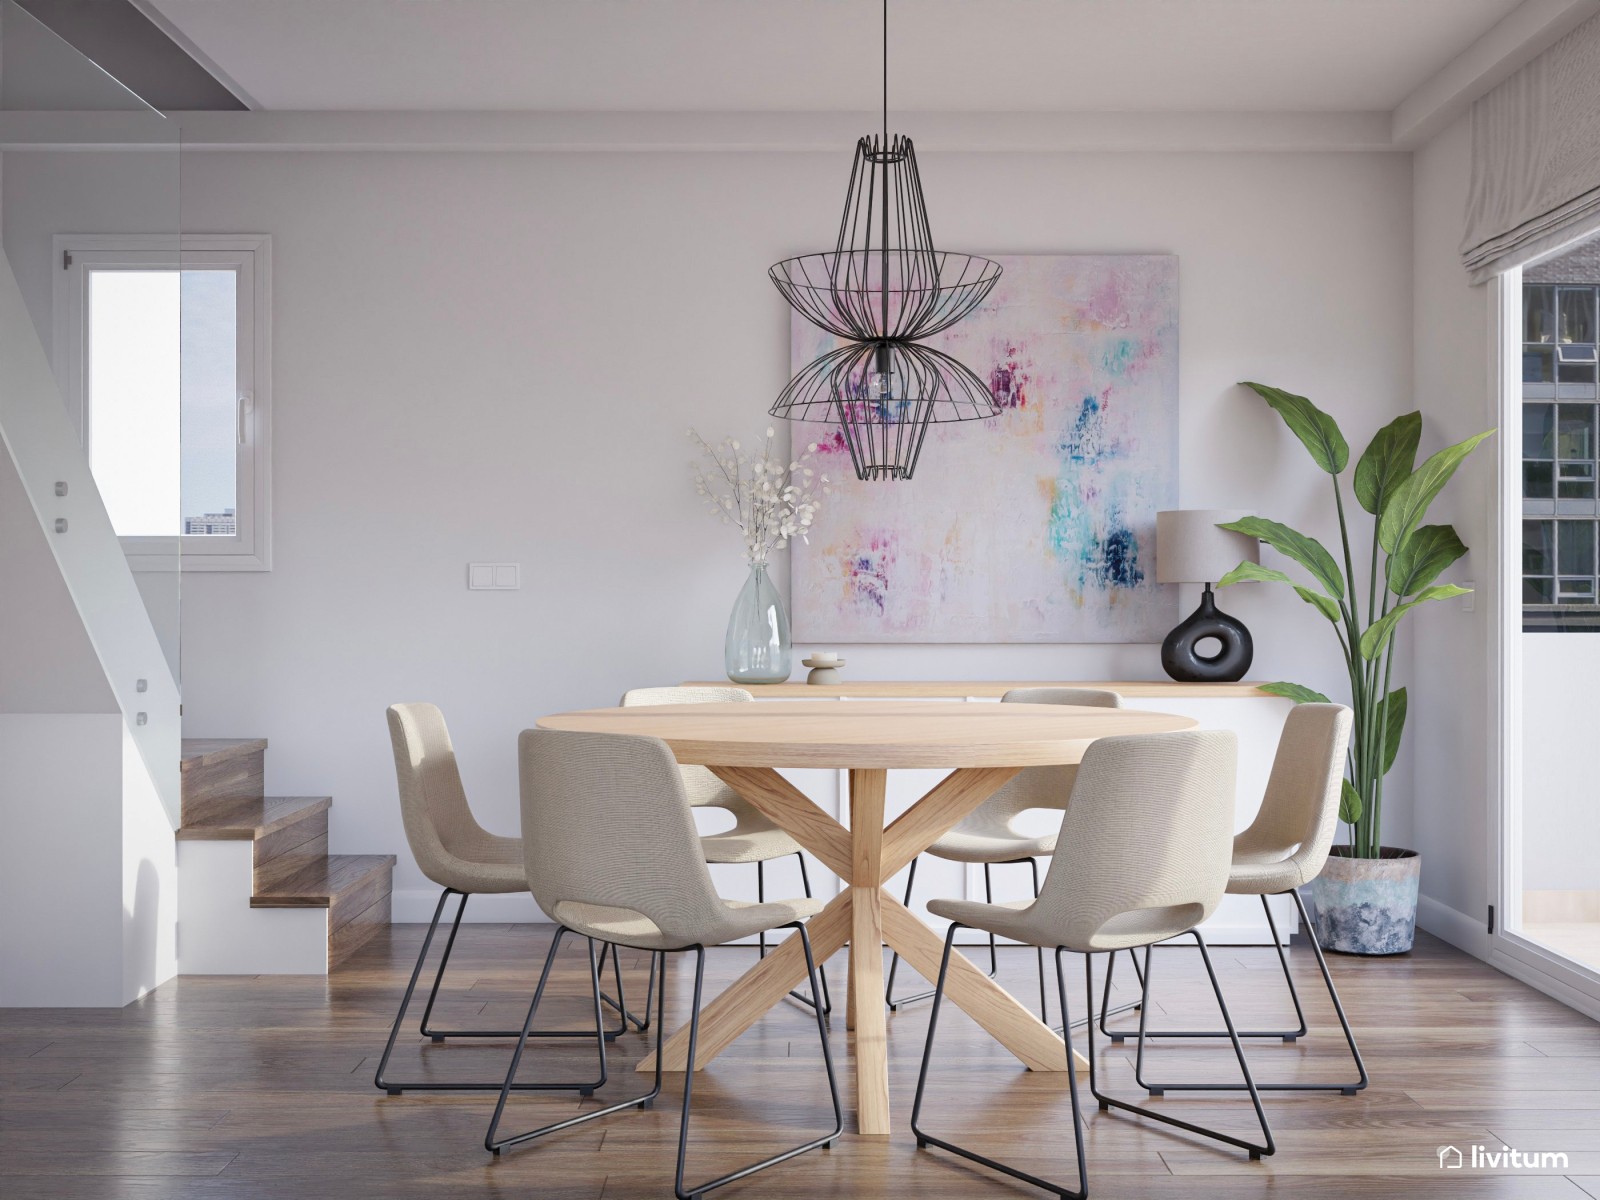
(220, 934)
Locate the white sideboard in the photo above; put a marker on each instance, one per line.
(1256, 717)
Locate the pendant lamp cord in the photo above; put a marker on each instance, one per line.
(884, 362)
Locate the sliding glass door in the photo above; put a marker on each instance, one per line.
(1549, 630)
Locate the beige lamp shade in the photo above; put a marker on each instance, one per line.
(1191, 549)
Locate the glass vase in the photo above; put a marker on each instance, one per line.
(757, 648)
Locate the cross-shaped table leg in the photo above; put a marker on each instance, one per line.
(866, 916)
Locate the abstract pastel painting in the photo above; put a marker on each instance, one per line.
(1038, 525)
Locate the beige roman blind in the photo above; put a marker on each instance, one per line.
(1536, 158)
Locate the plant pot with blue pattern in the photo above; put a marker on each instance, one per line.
(1367, 905)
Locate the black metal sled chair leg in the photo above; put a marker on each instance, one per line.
(926, 1139)
(1044, 1010)
(1266, 1146)
(761, 940)
(1349, 1088)
(397, 1087)
(822, 972)
(496, 1145)
(620, 1004)
(695, 1191)
(650, 988)
(439, 1035)
(1105, 997)
(439, 976)
(994, 962)
(1106, 1009)
(1118, 1036)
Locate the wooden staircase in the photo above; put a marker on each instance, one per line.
(285, 865)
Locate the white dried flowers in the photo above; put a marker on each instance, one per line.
(770, 500)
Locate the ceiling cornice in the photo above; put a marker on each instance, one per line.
(1030, 132)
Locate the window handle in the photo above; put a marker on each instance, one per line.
(247, 406)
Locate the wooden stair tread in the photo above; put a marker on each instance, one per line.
(224, 800)
(203, 752)
(247, 820)
(321, 883)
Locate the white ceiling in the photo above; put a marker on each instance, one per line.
(807, 55)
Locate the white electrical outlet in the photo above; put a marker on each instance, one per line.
(1468, 601)
(494, 577)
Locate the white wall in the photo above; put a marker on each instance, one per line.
(61, 945)
(88, 866)
(1451, 678)
(1453, 672)
(495, 356)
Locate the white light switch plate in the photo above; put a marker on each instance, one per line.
(494, 577)
(1469, 602)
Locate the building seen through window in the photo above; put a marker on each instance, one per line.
(1560, 412)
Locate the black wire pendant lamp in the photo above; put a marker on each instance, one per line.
(883, 289)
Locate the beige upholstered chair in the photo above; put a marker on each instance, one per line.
(753, 838)
(1143, 857)
(613, 855)
(989, 835)
(1284, 849)
(450, 847)
(455, 852)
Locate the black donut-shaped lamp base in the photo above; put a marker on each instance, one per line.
(1181, 657)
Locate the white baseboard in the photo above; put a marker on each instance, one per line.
(1472, 936)
(1469, 934)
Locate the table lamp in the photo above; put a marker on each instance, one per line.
(1191, 549)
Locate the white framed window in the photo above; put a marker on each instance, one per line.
(163, 357)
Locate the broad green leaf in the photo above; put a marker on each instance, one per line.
(1325, 605)
(1308, 552)
(1297, 692)
(1350, 806)
(1409, 504)
(1422, 555)
(1378, 633)
(1310, 424)
(1249, 572)
(1394, 725)
(1388, 459)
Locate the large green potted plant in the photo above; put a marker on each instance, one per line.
(1366, 897)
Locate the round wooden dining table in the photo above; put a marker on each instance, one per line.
(983, 745)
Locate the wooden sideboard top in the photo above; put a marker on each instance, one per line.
(987, 689)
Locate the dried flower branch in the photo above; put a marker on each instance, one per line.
(770, 500)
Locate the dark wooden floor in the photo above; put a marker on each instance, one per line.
(261, 1088)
